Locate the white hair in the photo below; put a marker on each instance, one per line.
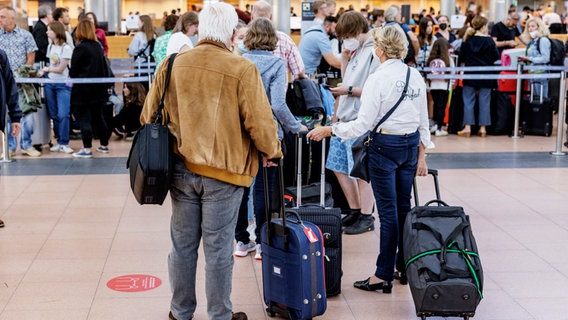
(217, 22)
(391, 13)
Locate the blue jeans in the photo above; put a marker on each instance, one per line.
(202, 209)
(484, 99)
(26, 131)
(392, 166)
(58, 96)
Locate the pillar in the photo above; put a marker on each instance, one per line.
(498, 9)
(281, 15)
(448, 7)
(109, 11)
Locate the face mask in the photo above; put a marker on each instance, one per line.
(351, 44)
(375, 56)
(443, 26)
(241, 46)
(534, 34)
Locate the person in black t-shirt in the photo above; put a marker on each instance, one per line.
(505, 31)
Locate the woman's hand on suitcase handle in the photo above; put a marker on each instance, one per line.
(319, 133)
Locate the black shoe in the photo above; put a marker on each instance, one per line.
(171, 316)
(239, 316)
(401, 277)
(566, 144)
(386, 286)
(363, 224)
(351, 216)
(1, 224)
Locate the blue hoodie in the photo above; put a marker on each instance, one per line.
(273, 74)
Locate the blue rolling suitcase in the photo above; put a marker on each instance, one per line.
(292, 264)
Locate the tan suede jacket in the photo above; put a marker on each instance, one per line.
(217, 111)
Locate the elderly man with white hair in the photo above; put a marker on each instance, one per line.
(286, 49)
(221, 121)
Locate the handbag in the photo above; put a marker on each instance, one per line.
(359, 148)
(150, 159)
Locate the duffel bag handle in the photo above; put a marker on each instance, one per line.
(439, 202)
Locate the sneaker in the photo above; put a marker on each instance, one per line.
(32, 152)
(364, 224)
(441, 133)
(1, 224)
(118, 132)
(12, 154)
(65, 149)
(243, 250)
(130, 137)
(103, 149)
(433, 128)
(239, 316)
(258, 254)
(83, 154)
(55, 148)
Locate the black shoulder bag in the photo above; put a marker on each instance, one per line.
(150, 159)
(359, 148)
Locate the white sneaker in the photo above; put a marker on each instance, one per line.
(55, 148)
(65, 149)
(258, 254)
(433, 128)
(32, 152)
(441, 133)
(243, 250)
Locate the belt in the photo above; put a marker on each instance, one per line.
(382, 131)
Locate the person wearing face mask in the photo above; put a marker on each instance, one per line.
(538, 52)
(239, 41)
(504, 32)
(357, 63)
(478, 50)
(444, 30)
(404, 134)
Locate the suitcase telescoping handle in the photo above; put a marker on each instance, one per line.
(434, 173)
(299, 172)
(279, 230)
(532, 92)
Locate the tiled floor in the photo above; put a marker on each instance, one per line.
(72, 225)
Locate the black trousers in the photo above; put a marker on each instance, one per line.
(91, 117)
(440, 98)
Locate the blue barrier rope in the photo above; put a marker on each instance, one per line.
(82, 80)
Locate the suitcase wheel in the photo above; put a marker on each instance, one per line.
(270, 312)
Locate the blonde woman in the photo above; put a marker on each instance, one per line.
(404, 134)
(538, 51)
(142, 44)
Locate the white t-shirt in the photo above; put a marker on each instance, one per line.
(56, 53)
(178, 40)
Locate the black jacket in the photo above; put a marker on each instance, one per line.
(40, 36)
(8, 93)
(479, 51)
(88, 61)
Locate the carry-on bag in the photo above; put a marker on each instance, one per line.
(150, 159)
(536, 115)
(327, 219)
(42, 125)
(502, 114)
(292, 263)
(442, 261)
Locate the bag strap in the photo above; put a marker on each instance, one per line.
(168, 76)
(388, 114)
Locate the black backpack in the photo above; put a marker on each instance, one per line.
(557, 51)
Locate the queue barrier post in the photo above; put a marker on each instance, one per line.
(5, 148)
(560, 122)
(518, 102)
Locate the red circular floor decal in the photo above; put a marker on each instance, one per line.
(134, 283)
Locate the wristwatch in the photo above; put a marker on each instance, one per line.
(350, 90)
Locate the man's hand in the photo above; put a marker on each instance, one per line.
(340, 90)
(269, 162)
(15, 129)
